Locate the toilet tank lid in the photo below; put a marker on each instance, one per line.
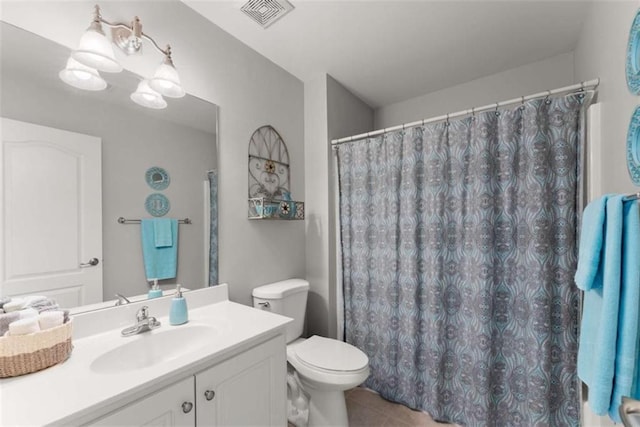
(277, 290)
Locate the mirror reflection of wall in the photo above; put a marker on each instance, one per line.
(180, 139)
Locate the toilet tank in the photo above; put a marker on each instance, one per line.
(288, 298)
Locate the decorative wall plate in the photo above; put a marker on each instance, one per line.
(157, 178)
(157, 204)
(633, 147)
(633, 56)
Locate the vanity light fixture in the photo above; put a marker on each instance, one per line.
(147, 97)
(81, 76)
(94, 49)
(95, 53)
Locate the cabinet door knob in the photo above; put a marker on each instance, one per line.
(209, 394)
(187, 407)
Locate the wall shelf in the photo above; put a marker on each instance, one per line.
(264, 208)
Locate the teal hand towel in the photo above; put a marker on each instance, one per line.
(163, 233)
(627, 350)
(159, 262)
(597, 348)
(591, 234)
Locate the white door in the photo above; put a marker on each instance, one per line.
(248, 389)
(51, 214)
(170, 407)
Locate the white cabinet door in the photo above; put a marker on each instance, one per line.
(50, 214)
(169, 407)
(246, 390)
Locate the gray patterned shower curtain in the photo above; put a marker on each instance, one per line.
(212, 176)
(459, 250)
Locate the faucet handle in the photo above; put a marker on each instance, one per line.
(122, 299)
(153, 323)
(142, 314)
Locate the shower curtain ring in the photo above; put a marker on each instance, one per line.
(473, 113)
(447, 121)
(497, 113)
(546, 99)
(522, 103)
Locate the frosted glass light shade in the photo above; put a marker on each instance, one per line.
(96, 51)
(166, 81)
(82, 77)
(147, 97)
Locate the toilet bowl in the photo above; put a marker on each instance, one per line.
(324, 367)
(325, 363)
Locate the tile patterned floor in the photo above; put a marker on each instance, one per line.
(367, 409)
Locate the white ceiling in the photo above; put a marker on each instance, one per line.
(390, 51)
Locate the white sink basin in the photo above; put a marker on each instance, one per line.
(153, 347)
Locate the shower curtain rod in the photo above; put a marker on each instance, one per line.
(591, 84)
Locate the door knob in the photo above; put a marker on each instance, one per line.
(187, 407)
(209, 394)
(92, 262)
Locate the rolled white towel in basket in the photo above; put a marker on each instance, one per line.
(6, 319)
(41, 303)
(14, 305)
(24, 326)
(50, 319)
(29, 300)
(27, 312)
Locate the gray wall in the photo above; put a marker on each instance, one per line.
(539, 76)
(601, 52)
(317, 189)
(132, 141)
(251, 92)
(331, 111)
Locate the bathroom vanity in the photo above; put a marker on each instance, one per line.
(226, 366)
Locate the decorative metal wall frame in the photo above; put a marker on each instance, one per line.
(269, 178)
(269, 175)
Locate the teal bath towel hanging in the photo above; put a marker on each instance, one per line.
(609, 272)
(163, 233)
(160, 247)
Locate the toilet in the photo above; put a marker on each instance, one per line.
(322, 367)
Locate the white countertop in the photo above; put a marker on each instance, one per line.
(72, 393)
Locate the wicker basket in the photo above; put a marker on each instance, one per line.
(23, 354)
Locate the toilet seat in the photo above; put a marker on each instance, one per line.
(354, 367)
(329, 355)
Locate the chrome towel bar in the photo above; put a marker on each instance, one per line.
(122, 220)
(632, 197)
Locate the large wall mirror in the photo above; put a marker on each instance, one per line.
(181, 140)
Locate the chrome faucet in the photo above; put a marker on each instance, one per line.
(144, 323)
(122, 299)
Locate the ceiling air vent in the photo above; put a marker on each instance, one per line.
(266, 12)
